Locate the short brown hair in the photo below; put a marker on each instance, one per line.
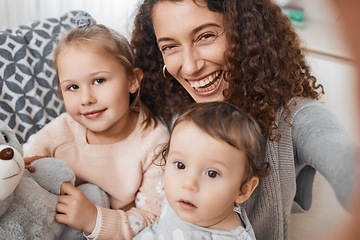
(230, 124)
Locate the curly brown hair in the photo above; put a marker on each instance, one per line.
(265, 65)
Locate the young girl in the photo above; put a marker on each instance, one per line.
(102, 136)
(213, 164)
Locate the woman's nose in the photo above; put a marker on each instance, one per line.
(192, 61)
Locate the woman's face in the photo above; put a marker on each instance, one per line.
(193, 43)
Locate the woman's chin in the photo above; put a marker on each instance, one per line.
(209, 98)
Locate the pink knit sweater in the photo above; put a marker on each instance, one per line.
(124, 170)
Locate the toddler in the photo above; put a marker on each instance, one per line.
(213, 164)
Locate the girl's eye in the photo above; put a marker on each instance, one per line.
(72, 87)
(212, 174)
(179, 165)
(99, 80)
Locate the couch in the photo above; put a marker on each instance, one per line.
(28, 89)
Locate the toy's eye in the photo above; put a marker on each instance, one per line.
(5, 137)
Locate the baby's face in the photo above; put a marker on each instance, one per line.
(203, 176)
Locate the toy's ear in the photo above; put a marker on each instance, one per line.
(51, 173)
(247, 189)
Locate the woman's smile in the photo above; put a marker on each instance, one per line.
(208, 85)
(194, 53)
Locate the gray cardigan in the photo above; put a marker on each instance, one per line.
(311, 139)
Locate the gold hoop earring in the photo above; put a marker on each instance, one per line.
(164, 72)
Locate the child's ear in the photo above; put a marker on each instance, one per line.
(247, 189)
(135, 80)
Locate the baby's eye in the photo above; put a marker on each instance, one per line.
(179, 165)
(99, 80)
(72, 87)
(212, 174)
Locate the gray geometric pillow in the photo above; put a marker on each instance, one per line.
(28, 90)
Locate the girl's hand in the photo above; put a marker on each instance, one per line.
(29, 160)
(75, 209)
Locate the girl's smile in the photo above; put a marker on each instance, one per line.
(93, 114)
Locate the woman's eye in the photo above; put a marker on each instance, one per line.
(212, 174)
(179, 165)
(208, 36)
(99, 80)
(72, 87)
(167, 48)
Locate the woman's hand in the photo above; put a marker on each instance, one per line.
(29, 160)
(75, 209)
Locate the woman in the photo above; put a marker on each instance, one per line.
(245, 52)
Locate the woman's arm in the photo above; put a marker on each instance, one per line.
(322, 142)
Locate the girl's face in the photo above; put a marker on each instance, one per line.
(95, 89)
(193, 43)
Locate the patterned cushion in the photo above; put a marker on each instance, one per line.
(28, 90)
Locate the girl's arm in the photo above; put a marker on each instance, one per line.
(118, 224)
(37, 146)
(29, 160)
(75, 209)
(43, 142)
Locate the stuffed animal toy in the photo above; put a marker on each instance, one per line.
(28, 200)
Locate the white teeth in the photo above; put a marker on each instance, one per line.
(211, 78)
(199, 84)
(211, 87)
